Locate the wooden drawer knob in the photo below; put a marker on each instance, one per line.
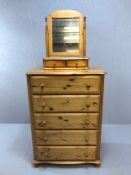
(45, 139)
(46, 154)
(42, 123)
(42, 85)
(76, 65)
(54, 66)
(43, 105)
(88, 86)
(87, 122)
(87, 139)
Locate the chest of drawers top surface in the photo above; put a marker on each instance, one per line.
(90, 71)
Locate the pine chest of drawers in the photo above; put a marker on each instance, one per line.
(66, 115)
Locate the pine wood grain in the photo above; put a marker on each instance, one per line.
(65, 85)
(66, 153)
(65, 103)
(50, 120)
(66, 120)
(66, 137)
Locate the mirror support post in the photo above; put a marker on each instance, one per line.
(84, 37)
(46, 38)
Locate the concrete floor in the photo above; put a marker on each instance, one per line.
(16, 153)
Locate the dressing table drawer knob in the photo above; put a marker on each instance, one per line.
(43, 105)
(87, 122)
(42, 85)
(42, 123)
(46, 154)
(45, 139)
(87, 139)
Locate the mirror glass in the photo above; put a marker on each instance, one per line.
(65, 34)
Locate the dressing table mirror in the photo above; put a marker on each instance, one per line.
(65, 33)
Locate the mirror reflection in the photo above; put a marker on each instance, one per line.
(65, 34)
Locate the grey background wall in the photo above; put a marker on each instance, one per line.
(22, 47)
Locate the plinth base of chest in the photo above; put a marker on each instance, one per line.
(38, 163)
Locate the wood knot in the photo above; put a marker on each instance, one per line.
(60, 117)
(51, 109)
(87, 106)
(71, 79)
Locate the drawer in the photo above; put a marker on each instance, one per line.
(65, 103)
(66, 152)
(54, 63)
(66, 120)
(65, 84)
(65, 63)
(77, 63)
(66, 137)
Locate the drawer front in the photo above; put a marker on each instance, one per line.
(65, 63)
(66, 120)
(66, 103)
(65, 84)
(54, 64)
(66, 152)
(77, 63)
(66, 137)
